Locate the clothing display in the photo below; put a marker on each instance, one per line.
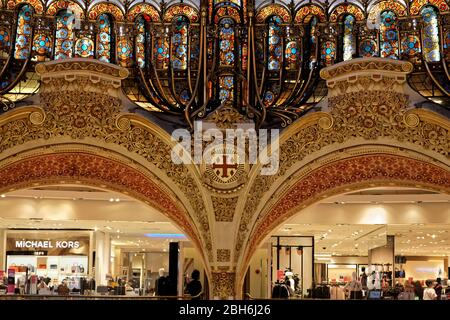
(280, 290)
(337, 292)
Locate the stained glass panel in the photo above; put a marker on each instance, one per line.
(226, 89)
(124, 52)
(275, 43)
(42, 47)
(180, 43)
(5, 39)
(430, 34)
(328, 53)
(23, 33)
(64, 35)
(226, 42)
(236, 2)
(140, 41)
(388, 35)
(349, 39)
(368, 48)
(291, 54)
(104, 38)
(162, 53)
(410, 45)
(84, 48)
(447, 45)
(313, 37)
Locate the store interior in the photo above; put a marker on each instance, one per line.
(87, 238)
(400, 234)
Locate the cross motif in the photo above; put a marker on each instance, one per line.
(225, 166)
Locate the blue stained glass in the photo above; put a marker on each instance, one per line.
(226, 88)
(275, 49)
(349, 39)
(84, 48)
(104, 38)
(4, 39)
(430, 34)
(226, 42)
(64, 35)
(389, 36)
(23, 33)
(180, 43)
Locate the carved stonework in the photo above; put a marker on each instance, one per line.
(227, 117)
(223, 255)
(226, 173)
(224, 208)
(223, 284)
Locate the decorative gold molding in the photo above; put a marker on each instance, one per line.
(224, 208)
(373, 64)
(223, 255)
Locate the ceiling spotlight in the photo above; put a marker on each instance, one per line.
(95, 228)
(117, 199)
(3, 196)
(111, 200)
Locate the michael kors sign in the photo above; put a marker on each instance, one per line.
(70, 243)
(36, 244)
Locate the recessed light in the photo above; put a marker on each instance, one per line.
(111, 200)
(3, 196)
(117, 199)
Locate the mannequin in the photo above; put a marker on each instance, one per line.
(290, 281)
(162, 284)
(363, 278)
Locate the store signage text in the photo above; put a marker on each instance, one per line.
(47, 244)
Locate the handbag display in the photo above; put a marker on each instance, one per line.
(81, 268)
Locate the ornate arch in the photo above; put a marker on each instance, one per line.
(309, 10)
(104, 7)
(80, 103)
(346, 8)
(36, 4)
(273, 10)
(143, 8)
(343, 175)
(227, 11)
(181, 9)
(90, 168)
(361, 112)
(65, 4)
(397, 7)
(417, 5)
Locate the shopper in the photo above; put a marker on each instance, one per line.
(194, 287)
(438, 288)
(418, 290)
(429, 293)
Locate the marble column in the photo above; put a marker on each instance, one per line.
(102, 257)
